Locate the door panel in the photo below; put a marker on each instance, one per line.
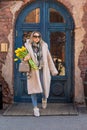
(55, 24)
(58, 52)
(57, 49)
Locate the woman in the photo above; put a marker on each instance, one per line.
(39, 82)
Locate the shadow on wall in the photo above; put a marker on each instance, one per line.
(83, 55)
(7, 97)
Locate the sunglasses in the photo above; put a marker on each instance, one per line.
(36, 36)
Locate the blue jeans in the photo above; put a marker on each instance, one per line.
(34, 96)
(34, 99)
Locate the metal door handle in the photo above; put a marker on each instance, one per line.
(16, 65)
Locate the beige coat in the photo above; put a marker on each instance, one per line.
(34, 84)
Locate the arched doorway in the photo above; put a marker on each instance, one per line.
(56, 26)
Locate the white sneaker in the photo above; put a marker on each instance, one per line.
(44, 103)
(36, 112)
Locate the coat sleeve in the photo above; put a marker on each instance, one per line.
(51, 65)
(27, 57)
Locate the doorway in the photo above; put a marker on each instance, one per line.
(56, 26)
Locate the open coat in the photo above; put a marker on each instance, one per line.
(34, 83)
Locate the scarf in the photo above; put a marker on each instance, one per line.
(37, 49)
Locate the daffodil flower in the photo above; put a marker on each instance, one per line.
(16, 59)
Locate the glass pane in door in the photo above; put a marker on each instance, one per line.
(57, 49)
(26, 36)
(55, 16)
(33, 16)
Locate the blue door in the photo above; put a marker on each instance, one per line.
(56, 26)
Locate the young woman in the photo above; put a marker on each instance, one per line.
(39, 82)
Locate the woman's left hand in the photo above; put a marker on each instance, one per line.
(55, 74)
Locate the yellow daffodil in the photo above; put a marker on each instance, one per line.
(17, 54)
(16, 51)
(16, 59)
(23, 48)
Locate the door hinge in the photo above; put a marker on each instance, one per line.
(16, 65)
(72, 33)
(16, 33)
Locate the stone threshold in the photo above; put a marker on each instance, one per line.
(53, 109)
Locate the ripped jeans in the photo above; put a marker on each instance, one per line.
(34, 96)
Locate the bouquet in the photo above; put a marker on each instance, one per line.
(21, 53)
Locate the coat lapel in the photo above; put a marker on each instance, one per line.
(44, 52)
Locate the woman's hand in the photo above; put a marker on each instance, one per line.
(55, 74)
(27, 57)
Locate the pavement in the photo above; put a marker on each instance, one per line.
(78, 122)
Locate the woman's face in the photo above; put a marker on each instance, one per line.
(36, 37)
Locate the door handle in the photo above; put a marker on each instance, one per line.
(16, 65)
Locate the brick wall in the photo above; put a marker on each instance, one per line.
(5, 26)
(83, 55)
